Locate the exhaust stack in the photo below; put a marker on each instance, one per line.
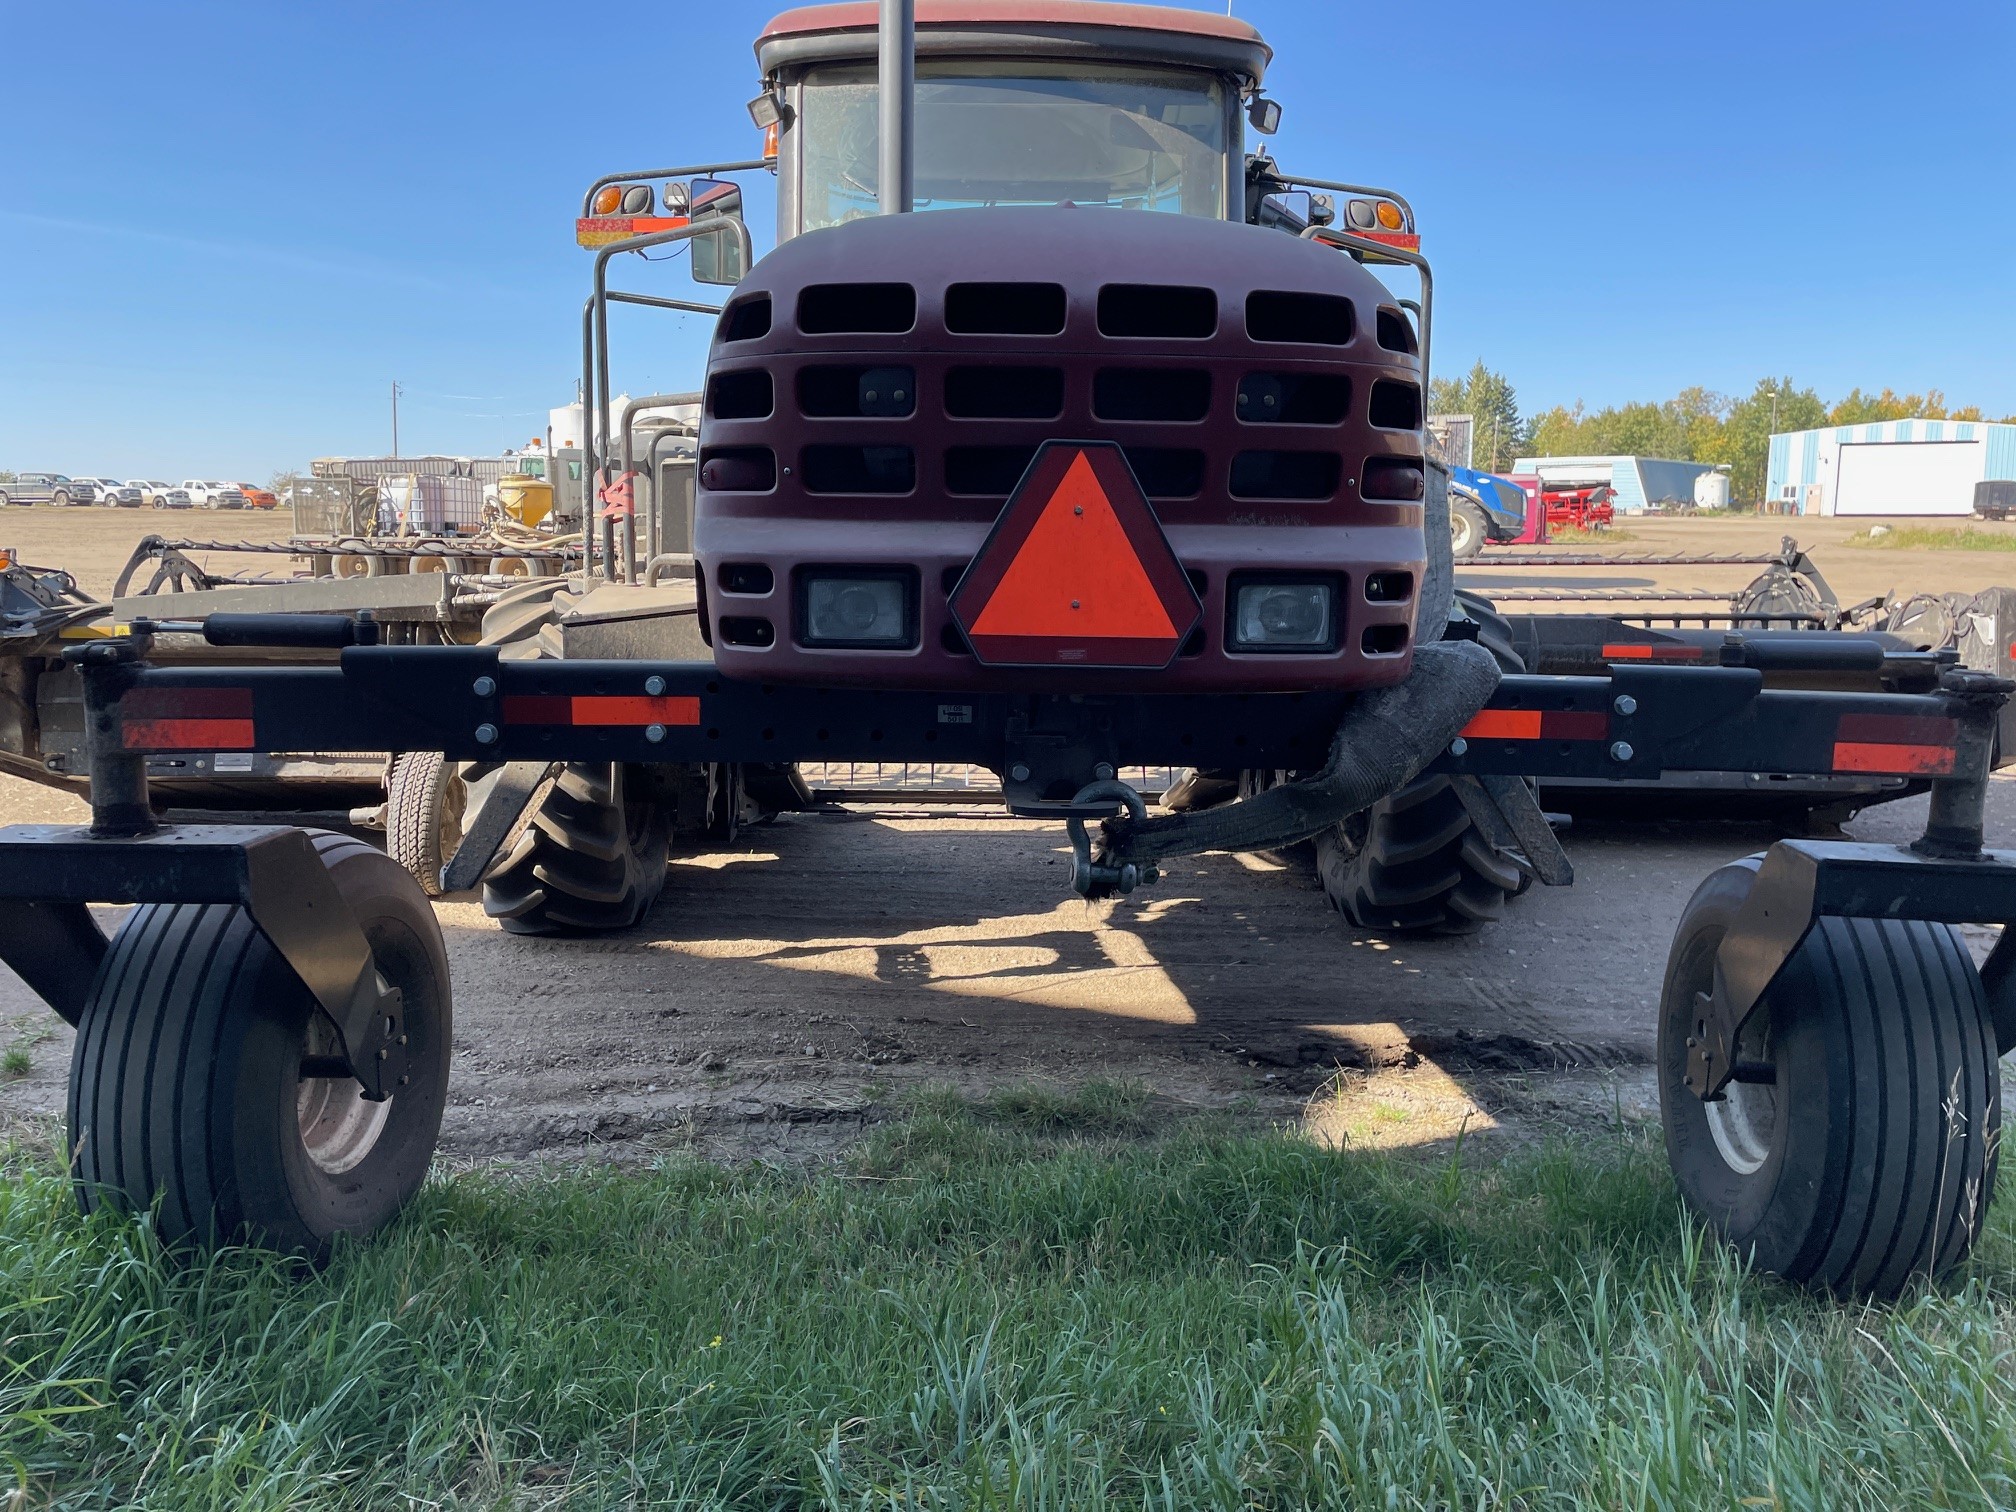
(896, 85)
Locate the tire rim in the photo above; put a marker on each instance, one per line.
(1460, 530)
(1744, 1121)
(339, 1126)
(454, 802)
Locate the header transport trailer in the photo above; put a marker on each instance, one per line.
(1030, 482)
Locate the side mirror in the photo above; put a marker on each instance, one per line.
(717, 259)
(1265, 114)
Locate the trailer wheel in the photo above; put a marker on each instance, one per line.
(1415, 862)
(424, 802)
(186, 1085)
(1869, 1157)
(1467, 530)
(592, 859)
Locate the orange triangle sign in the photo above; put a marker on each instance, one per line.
(1076, 570)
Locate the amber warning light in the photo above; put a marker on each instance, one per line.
(1076, 571)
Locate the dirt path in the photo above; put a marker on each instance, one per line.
(787, 990)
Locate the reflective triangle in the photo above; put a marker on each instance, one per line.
(1076, 575)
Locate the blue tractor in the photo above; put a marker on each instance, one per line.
(1483, 508)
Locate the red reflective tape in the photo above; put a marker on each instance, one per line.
(600, 709)
(670, 709)
(1650, 651)
(186, 735)
(1897, 729)
(1538, 724)
(1897, 760)
(187, 703)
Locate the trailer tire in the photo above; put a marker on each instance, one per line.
(1467, 529)
(593, 858)
(1870, 1161)
(185, 1081)
(425, 799)
(1415, 863)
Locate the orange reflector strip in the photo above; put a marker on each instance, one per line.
(600, 230)
(1650, 651)
(186, 735)
(186, 719)
(601, 709)
(1902, 745)
(1538, 724)
(1895, 760)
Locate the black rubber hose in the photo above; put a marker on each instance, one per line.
(1383, 743)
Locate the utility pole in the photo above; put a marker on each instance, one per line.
(395, 419)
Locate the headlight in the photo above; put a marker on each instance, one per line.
(861, 609)
(1283, 617)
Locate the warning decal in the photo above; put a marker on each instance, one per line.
(1076, 571)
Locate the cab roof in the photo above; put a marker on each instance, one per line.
(1031, 28)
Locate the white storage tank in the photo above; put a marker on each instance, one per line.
(1711, 490)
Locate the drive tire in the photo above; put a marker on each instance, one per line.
(593, 858)
(60, 499)
(1415, 862)
(424, 803)
(1870, 1161)
(1467, 529)
(185, 1084)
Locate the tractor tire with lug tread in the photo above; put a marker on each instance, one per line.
(1415, 862)
(186, 1086)
(1467, 529)
(425, 798)
(592, 859)
(1868, 1160)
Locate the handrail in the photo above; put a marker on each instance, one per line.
(1331, 236)
(588, 199)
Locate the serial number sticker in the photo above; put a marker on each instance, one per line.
(231, 761)
(955, 713)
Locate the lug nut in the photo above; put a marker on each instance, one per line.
(1458, 746)
(486, 734)
(483, 687)
(654, 686)
(654, 733)
(1625, 704)
(1622, 751)
(1103, 771)
(1019, 772)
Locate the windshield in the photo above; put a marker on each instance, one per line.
(1025, 133)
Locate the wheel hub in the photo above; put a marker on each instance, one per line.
(1743, 1121)
(339, 1126)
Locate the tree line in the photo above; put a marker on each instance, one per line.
(1695, 425)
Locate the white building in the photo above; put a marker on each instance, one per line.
(1889, 467)
(1640, 482)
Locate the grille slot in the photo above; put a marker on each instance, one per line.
(740, 396)
(1398, 478)
(1178, 394)
(1005, 309)
(1384, 640)
(746, 319)
(747, 630)
(1167, 472)
(1004, 393)
(1396, 331)
(738, 469)
(1285, 474)
(858, 469)
(849, 391)
(865, 309)
(746, 577)
(989, 471)
(1274, 315)
(1165, 310)
(1389, 587)
(1396, 405)
(1294, 398)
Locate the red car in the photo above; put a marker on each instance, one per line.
(258, 498)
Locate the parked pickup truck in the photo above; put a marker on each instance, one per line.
(46, 488)
(213, 495)
(259, 498)
(113, 494)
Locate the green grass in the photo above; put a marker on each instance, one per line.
(980, 1312)
(15, 1061)
(1569, 536)
(1936, 538)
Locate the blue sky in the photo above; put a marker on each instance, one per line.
(226, 228)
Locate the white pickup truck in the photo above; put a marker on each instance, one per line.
(213, 495)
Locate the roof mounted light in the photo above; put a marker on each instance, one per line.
(764, 110)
